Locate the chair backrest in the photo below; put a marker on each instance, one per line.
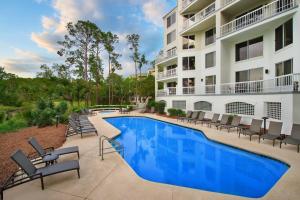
(296, 131)
(201, 116)
(39, 149)
(256, 125)
(215, 117)
(275, 128)
(236, 120)
(189, 114)
(23, 162)
(195, 115)
(224, 119)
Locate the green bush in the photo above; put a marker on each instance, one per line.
(2, 116)
(61, 108)
(13, 124)
(151, 104)
(176, 112)
(160, 107)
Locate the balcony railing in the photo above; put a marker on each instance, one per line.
(167, 74)
(282, 84)
(171, 91)
(166, 55)
(200, 16)
(186, 3)
(270, 10)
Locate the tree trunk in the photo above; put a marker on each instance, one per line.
(109, 82)
(136, 86)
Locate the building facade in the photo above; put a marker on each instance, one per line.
(232, 56)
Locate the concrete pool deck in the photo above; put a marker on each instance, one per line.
(113, 179)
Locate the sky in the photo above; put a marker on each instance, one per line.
(30, 29)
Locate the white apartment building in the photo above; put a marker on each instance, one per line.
(232, 56)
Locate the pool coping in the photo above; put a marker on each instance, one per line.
(280, 185)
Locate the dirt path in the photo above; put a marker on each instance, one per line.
(47, 137)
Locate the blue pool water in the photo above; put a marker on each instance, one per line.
(171, 154)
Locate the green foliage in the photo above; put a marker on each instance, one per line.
(160, 107)
(13, 124)
(2, 116)
(176, 112)
(61, 108)
(151, 104)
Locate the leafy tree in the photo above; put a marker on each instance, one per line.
(142, 61)
(77, 46)
(5, 76)
(46, 72)
(62, 71)
(133, 41)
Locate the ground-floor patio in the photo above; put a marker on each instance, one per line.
(114, 179)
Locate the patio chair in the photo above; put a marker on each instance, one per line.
(194, 116)
(236, 122)
(77, 128)
(255, 128)
(201, 118)
(29, 172)
(294, 138)
(223, 122)
(49, 151)
(213, 120)
(188, 115)
(274, 132)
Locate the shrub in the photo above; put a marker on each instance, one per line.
(176, 112)
(160, 107)
(61, 108)
(2, 116)
(13, 124)
(151, 104)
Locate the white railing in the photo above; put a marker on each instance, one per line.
(270, 10)
(167, 74)
(227, 2)
(200, 16)
(282, 84)
(171, 91)
(166, 55)
(188, 90)
(287, 83)
(186, 3)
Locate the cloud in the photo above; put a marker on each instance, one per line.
(54, 27)
(154, 11)
(26, 63)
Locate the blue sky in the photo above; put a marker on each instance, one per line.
(30, 28)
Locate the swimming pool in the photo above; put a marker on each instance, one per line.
(171, 154)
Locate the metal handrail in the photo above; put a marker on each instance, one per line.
(118, 148)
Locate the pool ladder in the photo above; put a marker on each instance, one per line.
(116, 146)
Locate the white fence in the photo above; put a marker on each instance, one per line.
(166, 55)
(200, 16)
(270, 10)
(167, 74)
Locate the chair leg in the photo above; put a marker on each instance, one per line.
(273, 143)
(78, 154)
(1, 193)
(42, 183)
(250, 137)
(78, 173)
(280, 144)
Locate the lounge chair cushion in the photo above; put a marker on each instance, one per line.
(66, 150)
(58, 168)
(290, 140)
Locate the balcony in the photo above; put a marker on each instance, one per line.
(171, 91)
(168, 74)
(199, 17)
(227, 2)
(186, 3)
(282, 84)
(268, 11)
(166, 56)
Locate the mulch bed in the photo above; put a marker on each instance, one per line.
(10, 142)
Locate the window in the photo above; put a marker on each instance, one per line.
(249, 49)
(171, 67)
(188, 42)
(172, 52)
(240, 108)
(283, 69)
(273, 110)
(210, 36)
(188, 85)
(284, 35)
(171, 37)
(210, 60)
(210, 82)
(203, 105)
(179, 105)
(242, 77)
(188, 63)
(171, 20)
